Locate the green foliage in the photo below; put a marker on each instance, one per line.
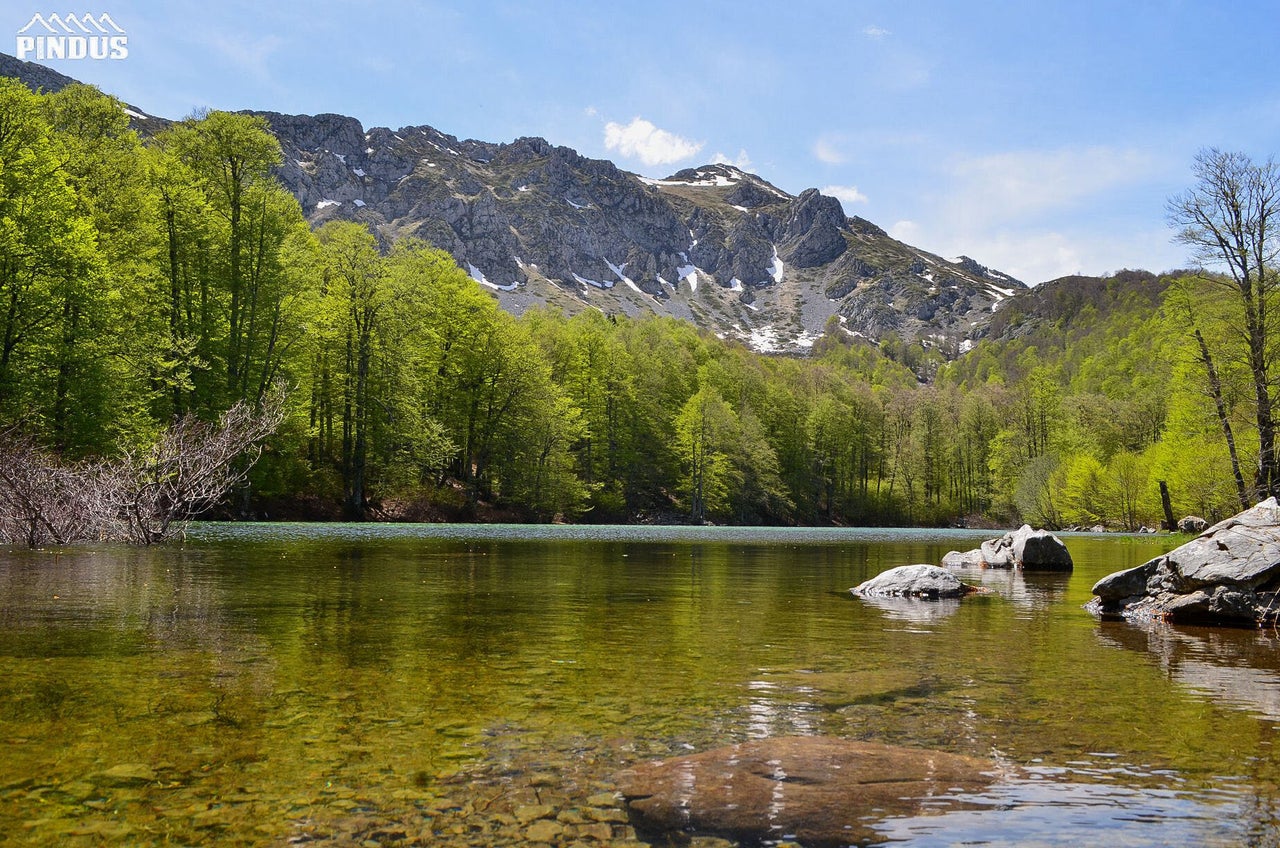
(143, 281)
(706, 430)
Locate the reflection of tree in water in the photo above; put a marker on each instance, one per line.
(1238, 668)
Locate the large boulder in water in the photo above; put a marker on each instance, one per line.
(997, 553)
(1025, 548)
(913, 581)
(1229, 574)
(1039, 550)
(816, 791)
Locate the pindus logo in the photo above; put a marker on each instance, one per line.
(69, 37)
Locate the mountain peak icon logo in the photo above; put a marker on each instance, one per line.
(72, 37)
(72, 25)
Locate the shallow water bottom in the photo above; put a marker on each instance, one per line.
(277, 685)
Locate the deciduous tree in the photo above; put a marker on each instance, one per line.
(1228, 219)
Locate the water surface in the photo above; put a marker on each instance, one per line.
(374, 684)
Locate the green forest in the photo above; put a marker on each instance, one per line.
(144, 279)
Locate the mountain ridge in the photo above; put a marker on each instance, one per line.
(541, 224)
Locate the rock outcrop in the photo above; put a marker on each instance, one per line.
(816, 791)
(538, 223)
(914, 581)
(1230, 574)
(1024, 548)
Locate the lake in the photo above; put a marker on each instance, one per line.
(480, 685)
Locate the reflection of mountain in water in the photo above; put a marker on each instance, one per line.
(1240, 668)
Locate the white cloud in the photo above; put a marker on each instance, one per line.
(875, 32)
(1042, 214)
(1015, 184)
(652, 146)
(1030, 256)
(906, 231)
(1016, 211)
(742, 161)
(847, 195)
(825, 150)
(1036, 255)
(590, 111)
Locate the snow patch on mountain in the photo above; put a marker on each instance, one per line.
(584, 282)
(689, 273)
(617, 269)
(776, 268)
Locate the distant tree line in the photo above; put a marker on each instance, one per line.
(144, 281)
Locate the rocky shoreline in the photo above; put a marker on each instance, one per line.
(1228, 575)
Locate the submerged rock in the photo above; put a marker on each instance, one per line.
(817, 791)
(1229, 574)
(913, 581)
(127, 774)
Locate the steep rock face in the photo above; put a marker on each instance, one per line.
(814, 230)
(47, 80)
(35, 77)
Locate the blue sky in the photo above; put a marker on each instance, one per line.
(1040, 138)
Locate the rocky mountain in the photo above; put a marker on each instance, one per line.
(715, 245)
(541, 224)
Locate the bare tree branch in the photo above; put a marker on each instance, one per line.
(138, 496)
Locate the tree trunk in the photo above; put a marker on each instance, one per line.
(1169, 523)
(1219, 404)
(175, 301)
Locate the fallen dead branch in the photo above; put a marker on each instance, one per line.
(138, 496)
